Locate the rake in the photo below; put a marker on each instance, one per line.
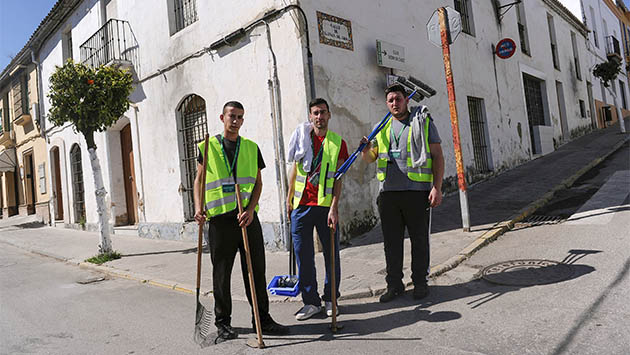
(203, 319)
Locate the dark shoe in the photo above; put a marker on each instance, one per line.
(225, 332)
(420, 291)
(390, 295)
(270, 327)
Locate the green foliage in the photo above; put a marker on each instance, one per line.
(607, 71)
(91, 99)
(103, 258)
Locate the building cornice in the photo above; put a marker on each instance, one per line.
(556, 6)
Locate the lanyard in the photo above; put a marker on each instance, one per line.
(318, 156)
(225, 158)
(397, 139)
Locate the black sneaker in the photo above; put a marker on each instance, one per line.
(225, 332)
(420, 291)
(270, 327)
(390, 295)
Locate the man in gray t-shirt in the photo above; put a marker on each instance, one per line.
(406, 192)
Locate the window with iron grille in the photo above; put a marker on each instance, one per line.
(552, 41)
(478, 130)
(192, 130)
(522, 28)
(78, 191)
(464, 7)
(182, 13)
(534, 104)
(582, 109)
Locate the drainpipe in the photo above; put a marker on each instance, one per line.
(278, 142)
(135, 114)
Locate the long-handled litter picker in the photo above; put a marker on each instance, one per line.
(203, 319)
(333, 286)
(259, 342)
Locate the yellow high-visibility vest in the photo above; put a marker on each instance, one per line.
(423, 173)
(332, 147)
(219, 197)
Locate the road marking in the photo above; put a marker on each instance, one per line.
(601, 207)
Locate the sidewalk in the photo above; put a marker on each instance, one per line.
(494, 206)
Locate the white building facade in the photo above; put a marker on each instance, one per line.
(606, 42)
(190, 57)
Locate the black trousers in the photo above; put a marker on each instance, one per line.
(400, 209)
(225, 239)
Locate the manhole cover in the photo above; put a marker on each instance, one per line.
(527, 272)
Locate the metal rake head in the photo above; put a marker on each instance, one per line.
(203, 325)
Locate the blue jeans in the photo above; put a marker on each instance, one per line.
(303, 219)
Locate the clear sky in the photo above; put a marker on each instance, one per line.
(18, 20)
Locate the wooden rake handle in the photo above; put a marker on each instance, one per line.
(250, 272)
(203, 208)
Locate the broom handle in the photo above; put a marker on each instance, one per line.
(333, 274)
(250, 274)
(203, 208)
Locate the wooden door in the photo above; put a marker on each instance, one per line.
(131, 195)
(58, 194)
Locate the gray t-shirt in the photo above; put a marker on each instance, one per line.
(396, 178)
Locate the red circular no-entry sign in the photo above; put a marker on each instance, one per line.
(505, 48)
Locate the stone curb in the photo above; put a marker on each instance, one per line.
(437, 270)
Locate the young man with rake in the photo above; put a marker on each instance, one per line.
(233, 159)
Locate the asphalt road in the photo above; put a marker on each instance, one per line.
(44, 310)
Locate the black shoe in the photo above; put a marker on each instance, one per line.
(420, 291)
(225, 332)
(390, 295)
(270, 327)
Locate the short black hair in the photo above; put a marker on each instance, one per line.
(396, 87)
(317, 101)
(234, 104)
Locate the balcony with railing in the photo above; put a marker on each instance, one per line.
(113, 44)
(612, 48)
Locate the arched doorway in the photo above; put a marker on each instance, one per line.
(78, 190)
(192, 124)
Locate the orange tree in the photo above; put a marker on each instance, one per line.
(91, 100)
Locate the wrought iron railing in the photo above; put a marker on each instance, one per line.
(612, 46)
(114, 43)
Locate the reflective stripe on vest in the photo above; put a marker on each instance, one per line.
(219, 202)
(332, 147)
(423, 173)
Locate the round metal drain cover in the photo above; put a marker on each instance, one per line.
(527, 272)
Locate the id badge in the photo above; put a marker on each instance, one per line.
(395, 153)
(228, 187)
(314, 179)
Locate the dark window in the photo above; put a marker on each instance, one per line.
(478, 132)
(77, 183)
(522, 28)
(5, 125)
(192, 130)
(576, 57)
(464, 7)
(594, 27)
(582, 109)
(622, 90)
(552, 41)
